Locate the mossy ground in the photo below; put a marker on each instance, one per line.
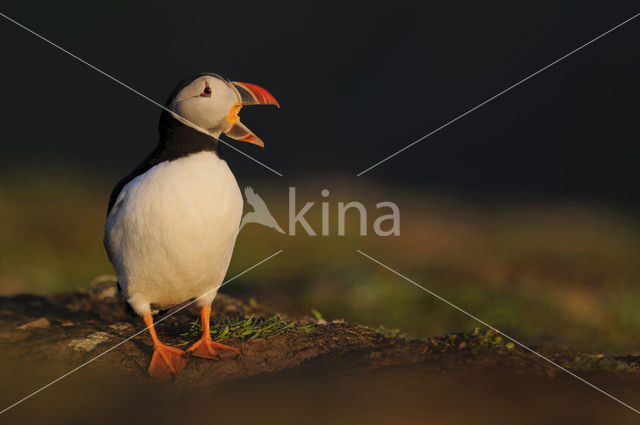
(291, 363)
(489, 338)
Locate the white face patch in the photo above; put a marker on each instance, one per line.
(205, 108)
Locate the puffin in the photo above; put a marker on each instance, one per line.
(172, 222)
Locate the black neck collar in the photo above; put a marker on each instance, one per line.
(178, 139)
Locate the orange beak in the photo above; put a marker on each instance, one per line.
(250, 94)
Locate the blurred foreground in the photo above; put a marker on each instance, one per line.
(289, 371)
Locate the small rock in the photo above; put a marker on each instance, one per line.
(67, 324)
(89, 343)
(121, 326)
(42, 322)
(109, 292)
(462, 344)
(103, 278)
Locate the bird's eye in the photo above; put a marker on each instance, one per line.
(206, 92)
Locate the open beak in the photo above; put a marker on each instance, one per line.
(249, 94)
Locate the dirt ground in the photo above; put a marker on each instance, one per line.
(318, 373)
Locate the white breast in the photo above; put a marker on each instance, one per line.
(171, 232)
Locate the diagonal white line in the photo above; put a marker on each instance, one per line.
(133, 90)
(136, 334)
(500, 94)
(500, 332)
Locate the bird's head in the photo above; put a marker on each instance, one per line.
(211, 104)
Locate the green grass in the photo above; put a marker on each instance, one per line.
(481, 336)
(247, 329)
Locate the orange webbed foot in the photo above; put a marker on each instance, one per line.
(207, 349)
(166, 361)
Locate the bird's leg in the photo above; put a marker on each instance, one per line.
(205, 347)
(166, 361)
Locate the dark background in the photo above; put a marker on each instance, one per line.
(524, 213)
(356, 82)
